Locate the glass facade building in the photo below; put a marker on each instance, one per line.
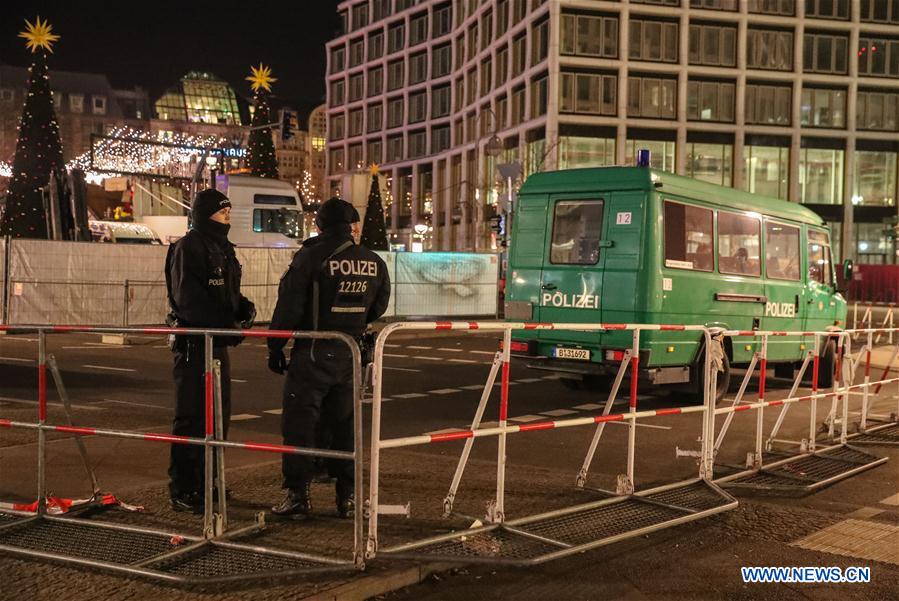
(199, 98)
(795, 99)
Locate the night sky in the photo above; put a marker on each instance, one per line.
(152, 44)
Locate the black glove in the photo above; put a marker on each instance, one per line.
(246, 313)
(277, 362)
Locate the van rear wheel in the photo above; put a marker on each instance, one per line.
(697, 379)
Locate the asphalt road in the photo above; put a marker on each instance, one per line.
(433, 384)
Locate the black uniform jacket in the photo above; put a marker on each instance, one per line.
(203, 279)
(353, 285)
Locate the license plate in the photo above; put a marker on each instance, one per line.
(580, 354)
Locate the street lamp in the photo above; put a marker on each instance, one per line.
(212, 161)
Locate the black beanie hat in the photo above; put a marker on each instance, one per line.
(206, 204)
(334, 211)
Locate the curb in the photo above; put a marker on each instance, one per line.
(371, 586)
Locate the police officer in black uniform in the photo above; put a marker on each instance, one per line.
(332, 284)
(203, 280)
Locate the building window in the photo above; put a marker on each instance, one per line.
(502, 107)
(337, 92)
(576, 152)
(337, 130)
(443, 20)
(878, 57)
(653, 41)
(418, 68)
(768, 49)
(517, 106)
(821, 176)
(768, 105)
(588, 35)
(652, 97)
(658, 2)
(502, 66)
(418, 107)
(335, 160)
(440, 102)
(76, 102)
(440, 139)
(357, 52)
(880, 11)
(375, 81)
(441, 61)
(418, 29)
(395, 112)
(486, 29)
(823, 53)
(471, 85)
(357, 87)
(774, 7)
(823, 108)
(472, 40)
(338, 62)
(875, 179)
(714, 4)
(877, 110)
(689, 234)
(538, 97)
(588, 93)
(360, 15)
(539, 42)
(98, 104)
(486, 77)
(661, 153)
(396, 38)
(356, 121)
(418, 144)
(739, 244)
(375, 117)
(354, 156)
(713, 45)
(396, 72)
(380, 9)
(828, 9)
(766, 170)
(711, 163)
(375, 46)
(394, 148)
(519, 58)
(374, 152)
(710, 101)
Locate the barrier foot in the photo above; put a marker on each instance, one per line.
(624, 486)
(494, 516)
(448, 505)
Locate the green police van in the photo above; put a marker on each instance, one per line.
(636, 245)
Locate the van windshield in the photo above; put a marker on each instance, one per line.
(288, 222)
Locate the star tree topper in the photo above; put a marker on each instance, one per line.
(39, 35)
(373, 169)
(261, 78)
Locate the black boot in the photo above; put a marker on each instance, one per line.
(297, 505)
(346, 500)
(187, 502)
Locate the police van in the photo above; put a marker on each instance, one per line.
(264, 211)
(636, 245)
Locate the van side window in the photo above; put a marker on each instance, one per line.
(739, 244)
(577, 227)
(781, 251)
(688, 237)
(819, 258)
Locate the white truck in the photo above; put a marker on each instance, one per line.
(264, 212)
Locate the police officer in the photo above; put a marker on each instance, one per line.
(203, 280)
(332, 284)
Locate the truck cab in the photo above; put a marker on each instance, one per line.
(264, 212)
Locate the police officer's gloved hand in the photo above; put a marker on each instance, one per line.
(277, 362)
(246, 314)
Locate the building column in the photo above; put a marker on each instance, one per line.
(740, 106)
(623, 43)
(683, 51)
(794, 193)
(848, 247)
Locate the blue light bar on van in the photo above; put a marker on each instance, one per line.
(643, 157)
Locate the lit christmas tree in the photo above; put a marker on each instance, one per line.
(374, 232)
(261, 147)
(38, 149)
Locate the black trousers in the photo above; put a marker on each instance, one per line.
(318, 396)
(186, 467)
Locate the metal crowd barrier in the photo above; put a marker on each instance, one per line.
(163, 555)
(539, 538)
(867, 320)
(811, 468)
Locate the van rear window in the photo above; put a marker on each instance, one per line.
(688, 237)
(577, 228)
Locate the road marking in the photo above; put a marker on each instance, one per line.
(52, 404)
(444, 391)
(241, 417)
(239, 381)
(444, 431)
(491, 353)
(19, 359)
(451, 350)
(431, 358)
(525, 418)
(274, 411)
(394, 355)
(485, 425)
(552, 377)
(863, 513)
(528, 380)
(402, 369)
(109, 368)
(894, 500)
(160, 346)
(393, 345)
(558, 412)
(95, 346)
(588, 407)
(472, 387)
(133, 403)
(420, 348)
(410, 395)
(462, 361)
